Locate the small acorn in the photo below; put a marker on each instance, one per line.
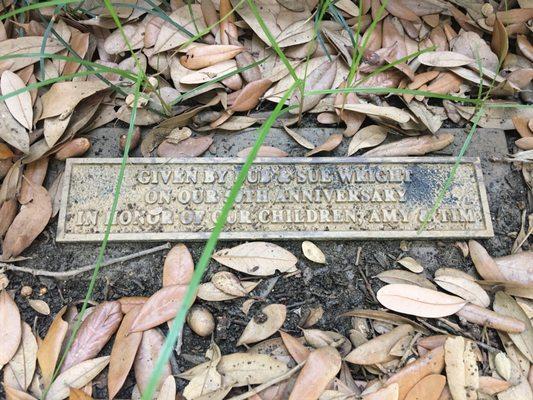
(26, 291)
(75, 148)
(135, 140)
(201, 321)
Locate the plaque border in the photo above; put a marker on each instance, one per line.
(488, 232)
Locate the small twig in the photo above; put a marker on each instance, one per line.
(68, 274)
(265, 385)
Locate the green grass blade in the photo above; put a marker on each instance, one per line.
(36, 6)
(178, 322)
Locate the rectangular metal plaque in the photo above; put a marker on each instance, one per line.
(283, 198)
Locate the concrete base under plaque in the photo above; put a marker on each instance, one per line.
(286, 198)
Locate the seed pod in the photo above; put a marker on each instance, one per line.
(74, 148)
(201, 321)
(135, 140)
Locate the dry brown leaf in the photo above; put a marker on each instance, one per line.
(229, 283)
(412, 146)
(168, 389)
(295, 348)
(40, 306)
(27, 45)
(264, 151)
(28, 224)
(330, 144)
(191, 147)
(429, 388)
(14, 394)
(129, 303)
(260, 329)
(161, 307)
(147, 355)
(461, 368)
(411, 264)
(34, 174)
(11, 131)
(10, 329)
(505, 304)
(492, 386)
(50, 347)
(208, 292)
(321, 367)
(484, 263)
(485, 317)
(8, 212)
(352, 119)
(312, 252)
(203, 56)
(444, 59)
(376, 351)
(411, 374)
(22, 366)
(123, 353)
(390, 392)
(257, 258)
(369, 136)
(517, 268)
(464, 288)
(390, 113)
(76, 377)
(401, 276)
(521, 391)
(178, 267)
(500, 40)
(188, 16)
(20, 105)
(422, 302)
(250, 95)
(78, 394)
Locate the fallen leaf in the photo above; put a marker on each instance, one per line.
(444, 59)
(11, 131)
(76, 377)
(229, 283)
(188, 17)
(412, 146)
(209, 379)
(147, 355)
(422, 302)
(369, 136)
(506, 305)
(257, 258)
(161, 307)
(250, 95)
(485, 317)
(260, 329)
(390, 392)
(40, 306)
(321, 367)
(203, 56)
(517, 268)
(376, 351)
(25, 46)
(178, 267)
(500, 40)
(492, 386)
(123, 353)
(429, 388)
(50, 347)
(191, 147)
(464, 288)
(209, 292)
(330, 144)
(78, 394)
(14, 394)
(407, 277)
(168, 389)
(295, 348)
(34, 175)
(264, 151)
(95, 331)
(10, 329)
(313, 253)
(390, 113)
(484, 263)
(411, 264)
(20, 105)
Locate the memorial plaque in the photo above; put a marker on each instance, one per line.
(284, 198)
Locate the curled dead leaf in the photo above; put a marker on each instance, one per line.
(260, 329)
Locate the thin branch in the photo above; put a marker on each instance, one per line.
(63, 275)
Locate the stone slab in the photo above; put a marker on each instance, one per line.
(285, 198)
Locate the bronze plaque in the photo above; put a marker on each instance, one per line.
(282, 198)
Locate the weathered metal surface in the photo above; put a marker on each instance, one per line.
(286, 198)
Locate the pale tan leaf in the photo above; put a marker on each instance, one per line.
(28, 224)
(390, 392)
(321, 367)
(464, 288)
(94, 333)
(384, 316)
(484, 263)
(388, 112)
(178, 267)
(521, 391)
(147, 355)
(295, 347)
(485, 317)
(471, 45)
(21, 105)
(27, 45)
(188, 16)
(369, 136)
(115, 42)
(229, 283)
(429, 388)
(208, 292)
(412, 373)
(412, 146)
(250, 95)
(401, 276)
(14, 394)
(299, 138)
(76, 377)
(517, 268)
(40, 306)
(259, 330)
(11, 131)
(415, 300)
(264, 151)
(312, 252)
(446, 59)
(168, 389)
(330, 144)
(78, 394)
(455, 366)
(50, 347)
(500, 40)
(204, 56)
(191, 147)
(411, 264)
(209, 73)
(10, 329)
(161, 307)
(376, 351)
(208, 380)
(123, 353)
(34, 174)
(257, 258)
(505, 304)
